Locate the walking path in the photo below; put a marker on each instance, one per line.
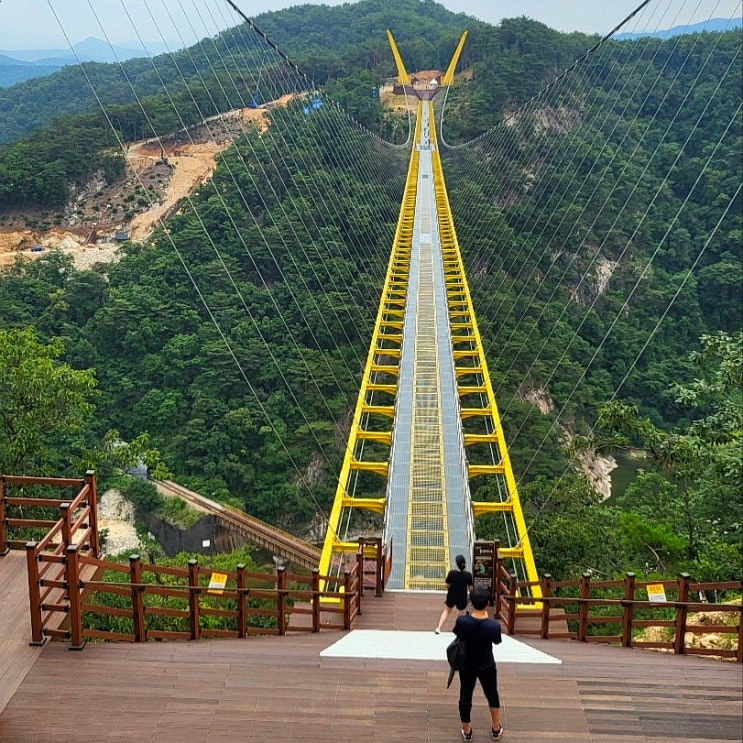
(300, 688)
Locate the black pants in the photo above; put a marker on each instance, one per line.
(488, 678)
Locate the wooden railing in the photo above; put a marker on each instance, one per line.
(141, 602)
(153, 602)
(75, 596)
(620, 614)
(77, 520)
(74, 528)
(376, 564)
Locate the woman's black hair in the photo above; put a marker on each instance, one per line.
(461, 562)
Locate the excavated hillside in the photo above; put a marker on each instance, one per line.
(157, 176)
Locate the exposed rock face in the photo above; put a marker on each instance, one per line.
(598, 469)
(537, 396)
(116, 516)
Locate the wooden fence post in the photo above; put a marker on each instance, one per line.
(497, 571)
(360, 578)
(193, 598)
(316, 600)
(629, 609)
(65, 515)
(379, 578)
(95, 544)
(281, 598)
(242, 625)
(72, 578)
(585, 593)
(546, 593)
(34, 595)
(135, 578)
(4, 549)
(362, 550)
(682, 610)
(511, 623)
(347, 597)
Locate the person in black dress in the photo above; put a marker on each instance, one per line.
(480, 632)
(458, 583)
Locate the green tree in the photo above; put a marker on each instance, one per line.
(41, 399)
(698, 506)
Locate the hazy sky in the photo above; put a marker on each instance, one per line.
(31, 24)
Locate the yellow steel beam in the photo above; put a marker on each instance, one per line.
(448, 78)
(384, 437)
(480, 507)
(389, 388)
(485, 469)
(378, 468)
(402, 75)
(369, 504)
(472, 389)
(386, 410)
(480, 438)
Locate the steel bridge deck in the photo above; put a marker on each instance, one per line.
(428, 495)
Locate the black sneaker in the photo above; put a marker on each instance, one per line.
(497, 734)
(467, 736)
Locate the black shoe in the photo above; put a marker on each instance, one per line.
(497, 734)
(467, 736)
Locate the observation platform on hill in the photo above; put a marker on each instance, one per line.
(383, 681)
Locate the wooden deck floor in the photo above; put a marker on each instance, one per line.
(280, 689)
(16, 655)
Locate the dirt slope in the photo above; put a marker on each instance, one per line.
(158, 175)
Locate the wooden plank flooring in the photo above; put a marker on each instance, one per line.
(16, 656)
(280, 689)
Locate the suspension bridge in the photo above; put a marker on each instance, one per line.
(425, 379)
(426, 451)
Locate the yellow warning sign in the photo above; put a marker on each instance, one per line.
(656, 593)
(217, 583)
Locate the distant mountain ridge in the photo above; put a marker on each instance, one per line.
(88, 50)
(18, 65)
(714, 25)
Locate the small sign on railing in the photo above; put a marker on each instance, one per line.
(656, 593)
(483, 566)
(217, 583)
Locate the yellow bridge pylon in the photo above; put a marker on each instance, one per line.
(426, 421)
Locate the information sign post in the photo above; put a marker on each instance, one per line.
(484, 557)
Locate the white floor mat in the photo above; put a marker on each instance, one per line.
(399, 645)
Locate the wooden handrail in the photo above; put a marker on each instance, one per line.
(628, 605)
(55, 565)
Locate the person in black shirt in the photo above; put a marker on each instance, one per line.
(458, 583)
(480, 633)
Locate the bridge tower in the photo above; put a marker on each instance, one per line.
(426, 423)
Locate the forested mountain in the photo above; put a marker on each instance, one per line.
(245, 384)
(425, 32)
